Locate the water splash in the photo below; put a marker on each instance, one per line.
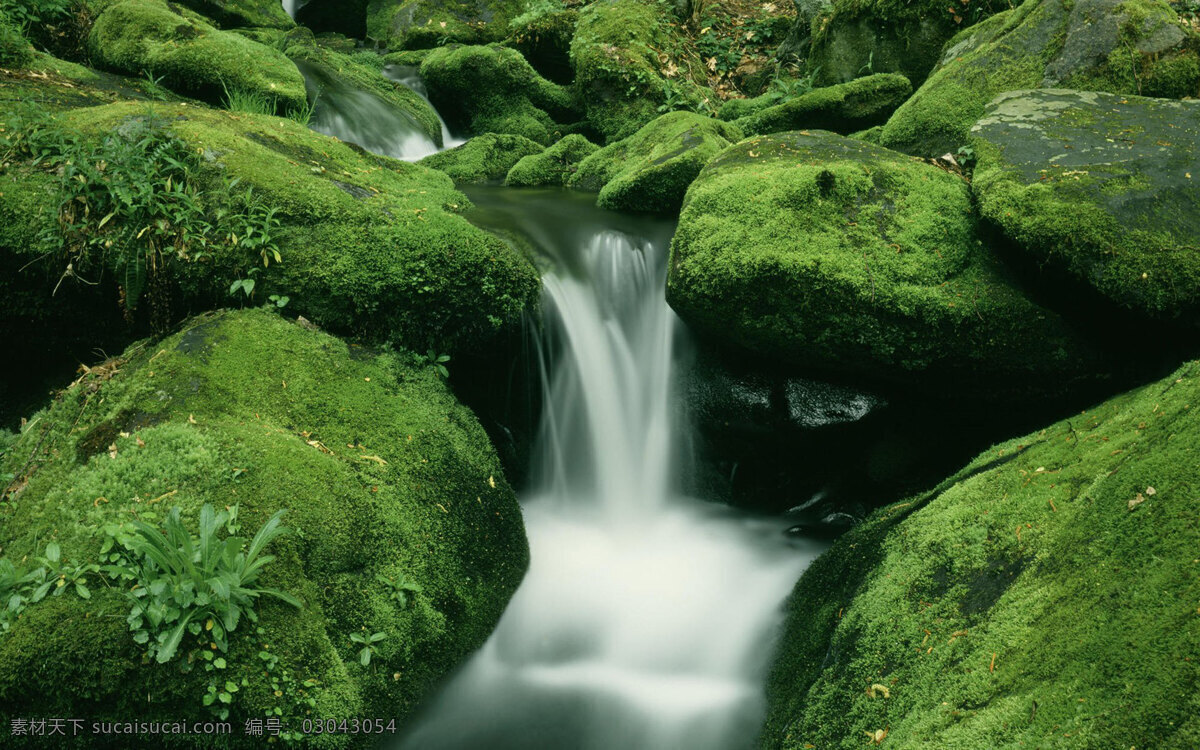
(646, 619)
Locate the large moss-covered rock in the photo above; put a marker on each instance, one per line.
(381, 473)
(621, 78)
(1045, 596)
(1101, 186)
(189, 55)
(1120, 46)
(268, 14)
(484, 158)
(370, 245)
(844, 108)
(418, 24)
(859, 37)
(553, 166)
(835, 255)
(651, 169)
(493, 89)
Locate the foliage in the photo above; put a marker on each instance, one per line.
(249, 101)
(535, 10)
(400, 587)
(130, 202)
(201, 584)
(21, 586)
(367, 641)
(434, 360)
(15, 51)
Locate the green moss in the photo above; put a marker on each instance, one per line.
(554, 166)
(1046, 596)
(484, 158)
(364, 72)
(651, 169)
(1047, 43)
(381, 472)
(191, 57)
(861, 37)
(408, 57)
(836, 255)
(1098, 185)
(621, 80)
(371, 246)
(545, 40)
(15, 51)
(266, 14)
(495, 90)
(859, 104)
(421, 24)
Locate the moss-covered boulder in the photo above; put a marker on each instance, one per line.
(845, 108)
(651, 169)
(419, 24)
(621, 78)
(860, 37)
(1128, 47)
(267, 14)
(543, 35)
(327, 69)
(838, 256)
(1101, 186)
(369, 245)
(383, 476)
(1045, 596)
(553, 166)
(191, 56)
(493, 89)
(484, 158)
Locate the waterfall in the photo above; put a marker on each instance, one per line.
(361, 117)
(646, 618)
(407, 75)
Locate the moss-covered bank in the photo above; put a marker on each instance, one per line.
(380, 470)
(370, 246)
(844, 108)
(1045, 596)
(553, 166)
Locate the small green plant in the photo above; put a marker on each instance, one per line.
(434, 360)
(59, 575)
(399, 588)
(278, 300)
(196, 584)
(154, 86)
(250, 102)
(304, 114)
(17, 586)
(367, 641)
(966, 157)
(870, 65)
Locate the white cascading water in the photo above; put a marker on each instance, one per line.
(646, 619)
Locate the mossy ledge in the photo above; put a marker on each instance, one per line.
(1045, 596)
(381, 472)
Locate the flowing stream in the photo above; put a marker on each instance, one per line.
(647, 618)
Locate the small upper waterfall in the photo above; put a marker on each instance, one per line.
(361, 117)
(646, 618)
(407, 75)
